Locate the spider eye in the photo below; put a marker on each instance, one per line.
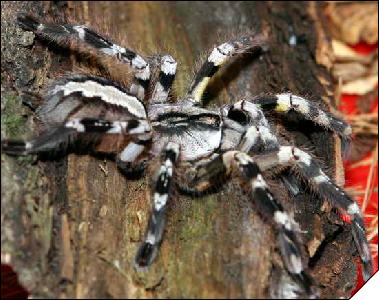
(238, 116)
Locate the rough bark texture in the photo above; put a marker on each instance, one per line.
(71, 227)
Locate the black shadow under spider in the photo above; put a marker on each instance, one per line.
(137, 124)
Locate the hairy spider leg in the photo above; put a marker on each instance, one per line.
(218, 57)
(165, 80)
(161, 193)
(73, 130)
(283, 103)
(267, 205)
(322, 184)
(65, 34)
(258, 136)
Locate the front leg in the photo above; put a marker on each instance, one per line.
(161, 193)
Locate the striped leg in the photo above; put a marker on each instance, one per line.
(131, 160)
(148, 250)
(72, 131)
(322, 184)
(267, 206)
(257, 137)
(283, 103)
(88, 39)
(165, 80)
(218, 57)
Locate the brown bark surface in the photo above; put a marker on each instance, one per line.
(71, 227)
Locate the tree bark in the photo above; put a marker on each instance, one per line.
(71, 227)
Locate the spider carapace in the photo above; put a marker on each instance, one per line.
(137, 123)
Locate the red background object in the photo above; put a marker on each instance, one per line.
(357, 176)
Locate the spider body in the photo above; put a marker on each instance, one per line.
(209, 146)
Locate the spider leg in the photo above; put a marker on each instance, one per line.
(166, 78)
(258, 136)
(65, 34)
(311, 171)
(218, 57)
(76, 130)
(162, 185)
(283, 103)
(250, 173)
(131, 159)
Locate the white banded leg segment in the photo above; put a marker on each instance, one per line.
(69, 132)
(148, 250)
(257, 139)
(88, 125)
(283, 103)
(218, 57)
(64, 34)
(272, 210)
(311, 171)
(165, 80)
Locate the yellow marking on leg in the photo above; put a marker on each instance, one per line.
(199, 90)
(282, 107)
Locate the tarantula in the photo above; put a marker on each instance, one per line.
(137, 124)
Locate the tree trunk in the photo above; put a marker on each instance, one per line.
(71, 227)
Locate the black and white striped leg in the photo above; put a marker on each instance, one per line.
(161, 193)
(165, 80)
(72, 130)
(131, 160)
(322, 184)
(258, 136)
(64, 34)
(218, 57)
(267, 205)
(283, 103)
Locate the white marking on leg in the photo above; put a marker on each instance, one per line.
(283, 102)
(76, 124)
(131, 152)
(159, 95)
(285, 154)
(250, 139)
(300, 104)
(150, 238)
(118, 127)
(160, 201)
(243, 158)
(107, 93)
(259, 182)
(303, 156)
(296, 264)
(80, 30)
(168, 65)
(320, 178)
(322, 118)
(353, 209)
(267, 136)
(283, 219)
(220, 54)
(28, 145)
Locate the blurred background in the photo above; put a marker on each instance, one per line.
(354, 27)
